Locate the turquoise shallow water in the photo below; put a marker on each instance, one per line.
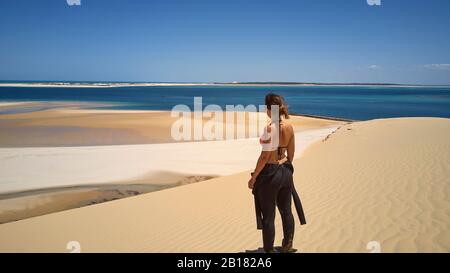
(350, 102)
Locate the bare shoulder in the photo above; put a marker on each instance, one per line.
(289, 130)
(288, 127)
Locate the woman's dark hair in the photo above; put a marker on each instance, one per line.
(274, 99)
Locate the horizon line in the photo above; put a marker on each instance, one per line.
(68, 82)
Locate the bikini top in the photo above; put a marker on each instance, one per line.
(268, 141)
(280, 152)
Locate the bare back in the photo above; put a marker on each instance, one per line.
(286, 147)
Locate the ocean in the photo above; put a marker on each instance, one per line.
(347, 102)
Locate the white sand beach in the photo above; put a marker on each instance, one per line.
(14, 103)
(33, 168)
(96, 85)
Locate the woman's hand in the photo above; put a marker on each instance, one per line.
(251, 182)
(262, 160)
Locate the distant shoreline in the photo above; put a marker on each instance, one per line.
(58, 105)
(149, 84)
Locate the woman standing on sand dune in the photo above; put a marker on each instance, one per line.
(272, 180)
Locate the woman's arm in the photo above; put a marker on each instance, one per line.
(266, 141)
(291, 145)
(262, 160)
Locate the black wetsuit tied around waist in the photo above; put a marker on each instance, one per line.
(274, 186)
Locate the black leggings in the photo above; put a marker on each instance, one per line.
(275, 190)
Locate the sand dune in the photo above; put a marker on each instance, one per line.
(386, 180)
(382, 180)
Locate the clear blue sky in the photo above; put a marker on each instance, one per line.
(401, 41)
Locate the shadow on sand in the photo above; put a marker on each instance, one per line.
(261, 250)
